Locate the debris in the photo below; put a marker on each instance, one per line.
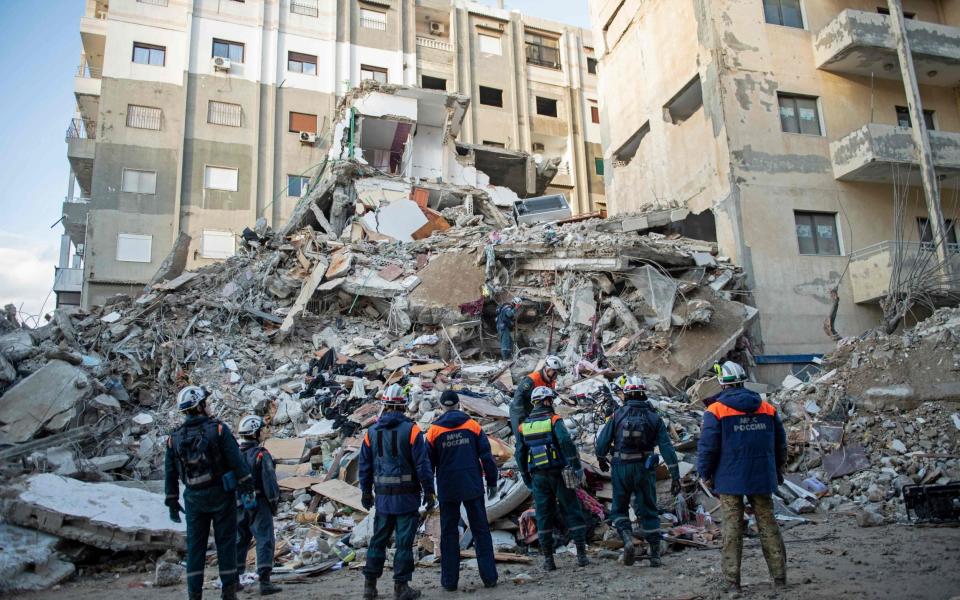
(341, 492)
(28, 561)
(46, 399)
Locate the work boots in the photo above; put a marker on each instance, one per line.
(229, 592)
(653, 540)
(267, 588)
(582, 559)
(628, 549)
(547, 549)
(369, 587)
(403, 591)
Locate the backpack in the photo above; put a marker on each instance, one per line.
(393, 471)
(636, 432)
(198, 453)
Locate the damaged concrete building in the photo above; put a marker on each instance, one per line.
(783, 126)
(197, 117)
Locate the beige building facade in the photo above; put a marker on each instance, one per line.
(786, 121)
(201, 116)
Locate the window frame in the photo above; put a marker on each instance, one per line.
(499, 39)
(924, 231)
(547, 100)
(290, 128)
(377, 70)
(159, 110)
(493, 144)
(150, 49)
(780, 22)
(225, 168)
(304, 181)
(480, 89)
(205, 253)
(592, 65)
(211, 103)
(816, 237)
(424, 77)
(298, 58)
(123, 180)
(796, 113)
(594, 114)
(229, 44)
(598, 165)
(134, 237)
(929, 117)
(540, 46)
(364, 19)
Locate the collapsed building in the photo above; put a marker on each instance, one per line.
(390, 270)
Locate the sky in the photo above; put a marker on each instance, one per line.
(37, 105)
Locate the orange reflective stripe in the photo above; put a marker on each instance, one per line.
(721, 410)
(554, 419)
(537, 379)
(366, 437)
(414, 432)
(436, 431)
(766, 409)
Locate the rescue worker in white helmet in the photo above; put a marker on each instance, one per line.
(257, 522)
(521, 404)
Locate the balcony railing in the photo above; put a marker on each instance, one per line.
(88, 72)
(435, 44)
(307, 8)
(373, 24)
(81, 129)
(155, 2)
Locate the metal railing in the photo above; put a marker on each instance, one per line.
(373, 24)
(81, 129)
(307, 8)
(904, 248)
(88, 72)
(155, 2)
(435, 44)
(563, 169)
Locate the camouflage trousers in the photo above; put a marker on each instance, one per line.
(770, 540)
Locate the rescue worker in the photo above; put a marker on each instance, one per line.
(506, 319)
(203, 454)
(258, 523)
(521, 405)
(742, 451)
(462, 460)
(394, 465)
(631, 434)
(544, 450)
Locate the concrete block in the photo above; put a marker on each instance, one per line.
(45, 398)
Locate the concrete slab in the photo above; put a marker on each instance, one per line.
(398, 220)
(28, 562)
(48, 396)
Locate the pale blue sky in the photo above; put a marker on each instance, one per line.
(39, 54)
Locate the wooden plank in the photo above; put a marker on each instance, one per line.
(434, 366)
(479, 406)
(501, 557)
(286, 448)
(306, 292)
(298, 482)
(395, 362)
(341, 492)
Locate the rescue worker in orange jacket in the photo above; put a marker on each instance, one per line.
(521, 406)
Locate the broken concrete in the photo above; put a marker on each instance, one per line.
(48, 398)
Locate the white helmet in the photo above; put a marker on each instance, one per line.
(730, 373)
(634, 384)
(552, 362)
(542, 395)
(394, 396)
(250, 426)
(191, 397)
(517, 300)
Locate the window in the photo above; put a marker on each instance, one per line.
(136, 181)
(591, 65)
(302, 63)
(903, 118)
(147, 54)
(490, 44)
(886, 11)
(491, 96)
(132, 247)
(594, 114)
(817, 233)
(374, 73)
(307, 8)
(926, 233)
(224, 113)
(220, 178)
(217, 244)
(494, 144)
(297, 185)
(144, 117)
(546, 106)
(433, 83)
(598, 165)
(543, 51)
(799, 114)
(233, 51)
(303, 122)
(783, 12)
(373, 19)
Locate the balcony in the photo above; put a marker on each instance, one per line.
(860, 43)
(81, 148)
(86, 88)
(871, 267)
(68, 280)
(75, 218)
(873, 152)
(425, 42)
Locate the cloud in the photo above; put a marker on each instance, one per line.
(26, 272)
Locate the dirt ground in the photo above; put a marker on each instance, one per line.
(833, 559)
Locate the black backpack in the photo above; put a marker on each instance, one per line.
(198, 452)
(637, 430)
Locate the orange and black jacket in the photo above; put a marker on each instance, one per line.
(461, 457)
(521, 405)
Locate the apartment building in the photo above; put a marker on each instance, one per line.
(782, 125)
(201, 116)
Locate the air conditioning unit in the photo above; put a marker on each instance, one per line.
(308, 138)
(437, 28)
(220, 63)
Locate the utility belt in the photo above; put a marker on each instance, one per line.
(385, 485)
(649, 458)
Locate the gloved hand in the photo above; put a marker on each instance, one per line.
(675, 487)
(429, 502)
(491, 492)
(248, 501)
(604, 463)
(366, 501)
(175, 510)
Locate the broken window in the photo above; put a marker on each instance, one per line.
(783, 12)
(297, 185)
(148, 54)
(591, 65)
(224, 113)
(217, 244)
(799, 114)
(232, 51)
(594, 114)
(490, 44)
(300, 122)
(137, 181)
(302, 63)
(491, 96)
(598, 165)
(144, 117)
(903, 118)
(628, 150)
(132, 247)
(886, 11)
(685, 103)
(542, 51)
(546, 106)
(817, 233)
(220, 178)
(373, 19)
(375, 73)
(927, 242)
(433, 83)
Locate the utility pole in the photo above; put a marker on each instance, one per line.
(921, 137)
